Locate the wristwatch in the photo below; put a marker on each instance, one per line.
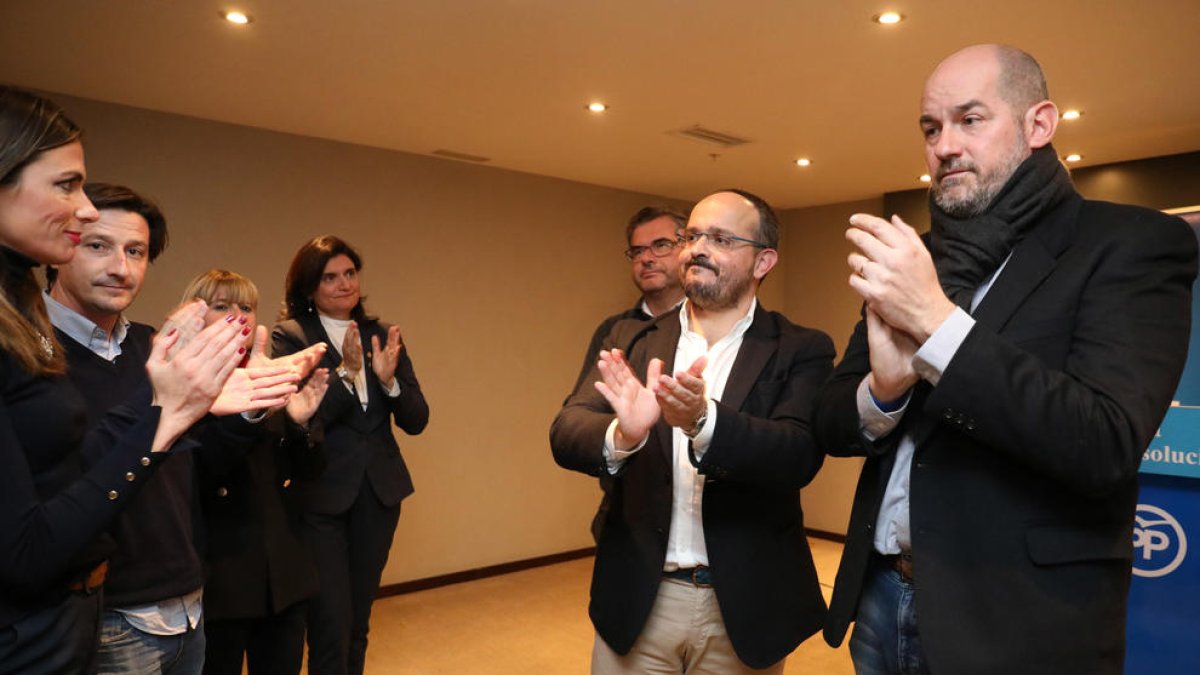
(695, 430)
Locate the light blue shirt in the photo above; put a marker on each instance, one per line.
(84, 331)
(893, 533)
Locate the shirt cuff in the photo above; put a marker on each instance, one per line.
(395, 390)
(934, 356)
(255, 416)
(613, 457)
(873, 422)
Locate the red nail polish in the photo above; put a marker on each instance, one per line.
(241, 350)
(241, 319)
(229, 318)
(246, 330)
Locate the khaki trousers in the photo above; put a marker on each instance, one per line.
(684, 634)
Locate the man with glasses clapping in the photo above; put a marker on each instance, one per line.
(701, 560)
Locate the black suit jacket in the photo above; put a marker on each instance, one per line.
(1024, 482)
(601, 332)
(358, 443)
(256, 560)
(762, 453)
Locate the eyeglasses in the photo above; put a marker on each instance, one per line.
(658, 247)
(718, 240)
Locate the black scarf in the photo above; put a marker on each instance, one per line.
(967, 250)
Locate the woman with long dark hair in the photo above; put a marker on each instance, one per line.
(352, 509)
(51, 513)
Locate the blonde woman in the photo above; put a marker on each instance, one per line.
(259, 570)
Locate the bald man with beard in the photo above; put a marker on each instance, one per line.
(1006, 378)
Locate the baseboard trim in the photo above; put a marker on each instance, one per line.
(519, 565)
(822, 534)
(482, 572)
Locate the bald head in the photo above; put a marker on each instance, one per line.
(1018, 77)
(984, 110)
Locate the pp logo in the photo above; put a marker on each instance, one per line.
(1159, 544)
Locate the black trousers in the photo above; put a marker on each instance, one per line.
(61, 638)
(350, 550)
(271, 645)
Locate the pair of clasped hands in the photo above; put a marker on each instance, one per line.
(193, 371)
(679, 400)
(894, 274)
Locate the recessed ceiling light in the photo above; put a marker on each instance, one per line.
(597, 107)
(1074, 157)
(803, 161)
(888, 18)
(1071, 114)
(925, 178)
(240, 18)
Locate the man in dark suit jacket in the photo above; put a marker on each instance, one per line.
(705, 466)
(1003, 386)
(654, 266)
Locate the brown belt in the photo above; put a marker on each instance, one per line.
(91, 581)
(902, 563)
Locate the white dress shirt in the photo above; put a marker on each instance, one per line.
(685, 542)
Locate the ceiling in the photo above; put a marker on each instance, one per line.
(509, 79)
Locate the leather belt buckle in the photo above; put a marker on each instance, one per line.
(699, 576)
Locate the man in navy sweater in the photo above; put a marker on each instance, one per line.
(152, 617)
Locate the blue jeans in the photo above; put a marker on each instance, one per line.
(125, 650)
(885, 639)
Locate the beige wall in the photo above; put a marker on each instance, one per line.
(497, 279)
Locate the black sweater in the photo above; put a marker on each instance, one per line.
(51, 512)
(156, 554)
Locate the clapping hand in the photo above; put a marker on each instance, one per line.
(352, 356)
(682, 398)
(189, 380)
(305, 402)
(384, 360)
(636, 405)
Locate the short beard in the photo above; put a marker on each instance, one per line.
(717, 294)
(977, 200)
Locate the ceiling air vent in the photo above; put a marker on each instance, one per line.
(450, 154)
(699, 133)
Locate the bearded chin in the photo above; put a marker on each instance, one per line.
(715, 295)
(970, 204)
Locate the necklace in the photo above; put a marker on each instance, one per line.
(46, 344)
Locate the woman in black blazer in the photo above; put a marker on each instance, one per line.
(258, 570)
(352, 509)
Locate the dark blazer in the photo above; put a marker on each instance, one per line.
(1024, 481)
(762, 453)
(597, 341)
(256, 560)
(357, 442)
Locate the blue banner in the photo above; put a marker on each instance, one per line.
(1175, 450)
(1165, 592)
